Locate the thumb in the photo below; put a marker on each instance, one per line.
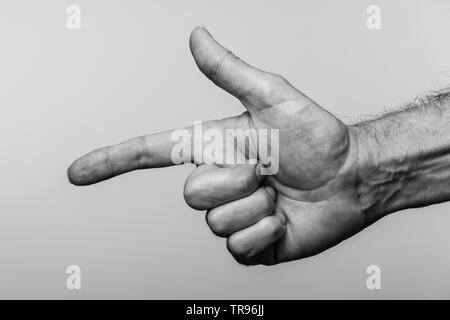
(254, 87)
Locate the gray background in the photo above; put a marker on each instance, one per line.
(128, 72)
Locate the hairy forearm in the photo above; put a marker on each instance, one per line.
(404, 157)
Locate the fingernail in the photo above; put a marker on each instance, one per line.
(271, 191)
(204, 28)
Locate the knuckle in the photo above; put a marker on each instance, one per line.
(271, 226)
(278, 79)
(192, 195)
(217, 225)
(271, 86)
(141, 154)
(276, 227)
(269, 203)
(274, 80)
(238, 250)
(243, 183)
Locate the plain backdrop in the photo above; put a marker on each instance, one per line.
(128, 72)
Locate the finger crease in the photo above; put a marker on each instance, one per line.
(142, 152)
(109, 162)
(218, 65)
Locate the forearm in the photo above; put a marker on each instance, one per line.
(404, 157)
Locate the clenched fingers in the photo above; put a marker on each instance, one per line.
(209, 186)
(256, 244)
(240, 214)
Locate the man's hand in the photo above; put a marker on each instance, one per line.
(321, 195)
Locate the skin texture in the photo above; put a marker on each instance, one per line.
(322, 194)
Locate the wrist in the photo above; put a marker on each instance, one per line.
(382, 172)
(402, 160)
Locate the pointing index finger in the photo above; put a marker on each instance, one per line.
(149, 151)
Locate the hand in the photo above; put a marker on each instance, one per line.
(311, 203)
